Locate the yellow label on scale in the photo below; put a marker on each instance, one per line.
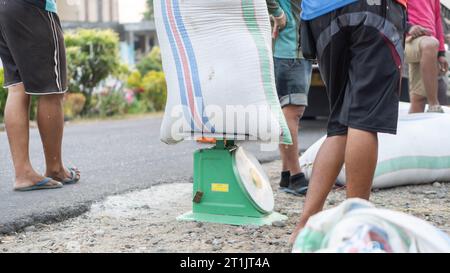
(219, 187)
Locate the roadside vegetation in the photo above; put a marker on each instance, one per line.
(100, 85)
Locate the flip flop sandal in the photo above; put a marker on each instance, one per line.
(41, 185)
(73, 179)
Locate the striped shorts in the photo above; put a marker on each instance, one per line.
(32, 48)
(360, 53)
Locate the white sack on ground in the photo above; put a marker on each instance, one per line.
(418, 154)
(404, 108)
(217, 58)
(356, 226)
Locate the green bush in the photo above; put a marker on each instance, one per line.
(73, 104)
(138, 107)
(151, 62)
(148, 83)
(150, 91)
(155, 90)
(134, 81)
(3, 96)
(109, 104)
(92, 56)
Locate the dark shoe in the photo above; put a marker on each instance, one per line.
(285, 179)
(298, 185)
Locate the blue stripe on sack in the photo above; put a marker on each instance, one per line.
(176, 56)
(192, 64)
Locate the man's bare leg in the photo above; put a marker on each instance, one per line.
(361, 157)
(17, 128)
(359, 150)
(50, 117)
(429, 48)
(289, 153)
(327, 166)
(417, 103)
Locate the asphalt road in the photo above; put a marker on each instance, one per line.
(114, 157)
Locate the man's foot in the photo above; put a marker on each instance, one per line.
(435, 109)
(284, 181)
(298, 185)
(34, 181)
(66, 176)
(297, 230)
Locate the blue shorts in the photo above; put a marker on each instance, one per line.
(293, 79)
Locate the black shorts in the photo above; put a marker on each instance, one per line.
(360, 50)
(32, 48)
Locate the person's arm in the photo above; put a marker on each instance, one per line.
(440, 36)
(278, 15)
(274, 8)
(439, 29)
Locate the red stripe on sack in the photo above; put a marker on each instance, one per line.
(184, 60)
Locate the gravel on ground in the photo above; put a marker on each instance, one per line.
(144, 221)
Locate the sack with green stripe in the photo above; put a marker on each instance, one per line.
(217, 59)
(418, 154)
(357, 226)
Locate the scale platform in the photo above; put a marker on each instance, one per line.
(230, 187)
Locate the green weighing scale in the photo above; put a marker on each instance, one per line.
(230, 187)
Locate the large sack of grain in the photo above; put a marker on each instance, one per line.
(419, 153)
(217, 58)
(356, 226)
(404, 108)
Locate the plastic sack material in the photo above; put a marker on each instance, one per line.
(418, 154)
(404, 108)
(356, 226)
(254, 180)
(217, 58)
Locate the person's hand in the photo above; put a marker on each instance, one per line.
(279, 23)
(443, 65)
(417, 31)
(447, 38)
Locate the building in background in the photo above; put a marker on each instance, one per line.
(137, 37)
(94, 11)
(445, 8)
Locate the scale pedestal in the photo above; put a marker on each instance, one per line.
(230, 187)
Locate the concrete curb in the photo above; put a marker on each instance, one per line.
(75, 210)
(63, 213)
(49, 217)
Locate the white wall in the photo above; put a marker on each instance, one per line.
(446, 3)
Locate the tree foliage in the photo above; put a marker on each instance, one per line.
(92, 56)
(155, 89)
(151, 62)
(149, 14)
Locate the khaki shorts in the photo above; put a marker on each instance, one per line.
(412, 57)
